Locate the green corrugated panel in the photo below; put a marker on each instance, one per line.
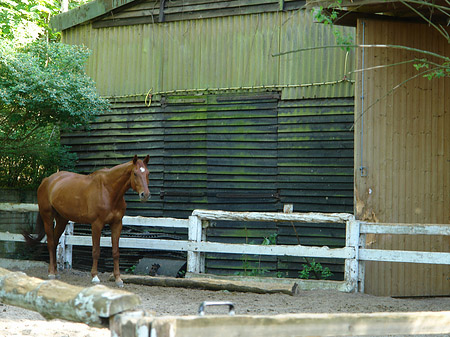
(315, 66)
(223, 52)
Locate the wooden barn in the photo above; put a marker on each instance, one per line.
(402, 138)
(228, 123)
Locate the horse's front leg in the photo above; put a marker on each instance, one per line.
(116, 229)
(96, 234)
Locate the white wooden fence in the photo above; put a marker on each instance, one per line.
(354, 253)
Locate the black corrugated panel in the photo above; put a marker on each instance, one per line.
(238, 152)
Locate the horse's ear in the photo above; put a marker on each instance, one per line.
(146, 159)
(135, 159)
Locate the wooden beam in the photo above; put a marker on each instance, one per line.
(14, 207)
(366, 324)
(86, 12)
(156, 222)
(271, 216)
(56, 299)
(217, 247)
(403, 228)
(208, 284)
(404, 256)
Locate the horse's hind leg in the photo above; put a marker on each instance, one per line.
(47, 218)
(53, 236)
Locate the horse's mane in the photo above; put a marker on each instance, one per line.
(103, 170)
(107, 170)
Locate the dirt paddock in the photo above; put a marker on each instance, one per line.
(15, 321)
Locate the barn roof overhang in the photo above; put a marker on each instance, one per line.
(437, 11)
(106, 13)
(87, 12)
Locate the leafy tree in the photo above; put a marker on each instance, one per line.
(43, 90)
(25, 21)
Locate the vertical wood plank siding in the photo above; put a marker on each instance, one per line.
(405, 152)
(247, 152)
(221, 52)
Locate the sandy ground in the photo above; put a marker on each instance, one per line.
(15, 321)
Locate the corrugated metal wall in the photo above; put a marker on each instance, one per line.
(221, 52)
(402, 140)
(247, 152)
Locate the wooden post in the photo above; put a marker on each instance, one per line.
(55, 299)
(361, 263)
(68, 250)
(61, 252)
(194, 261)
(64, 250)
(130, 324)
(351, 265)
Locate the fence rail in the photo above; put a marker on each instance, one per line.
(355, 253)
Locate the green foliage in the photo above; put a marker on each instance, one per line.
(438, 70)
(328, 17)
(270, 240)
(43, 90)
(249, 269)
(317, 269)
(24, 21)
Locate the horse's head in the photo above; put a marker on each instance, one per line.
(139, 178)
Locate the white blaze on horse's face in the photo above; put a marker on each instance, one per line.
(139, 183)
(139, 178)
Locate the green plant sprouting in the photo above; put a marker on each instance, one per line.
(251, 270)
(317, 269)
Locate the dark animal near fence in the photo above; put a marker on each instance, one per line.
(97, 199)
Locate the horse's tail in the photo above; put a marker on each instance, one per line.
(40, 231)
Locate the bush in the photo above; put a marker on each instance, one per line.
(43, 90)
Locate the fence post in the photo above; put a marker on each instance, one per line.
(64, 251)
(60, 252)
(351, 265)
(361, 263)
(68, 250)
(195, 260)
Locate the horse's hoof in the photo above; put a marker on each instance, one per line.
(96, 280)
(119, 283)
(51, 276)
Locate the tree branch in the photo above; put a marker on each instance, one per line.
(423, 73)
(443, 32)
(393, 46)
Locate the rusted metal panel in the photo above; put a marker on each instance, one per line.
(401, 146)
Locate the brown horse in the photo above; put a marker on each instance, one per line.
(96, 199)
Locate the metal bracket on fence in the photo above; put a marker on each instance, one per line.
(201, 309)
